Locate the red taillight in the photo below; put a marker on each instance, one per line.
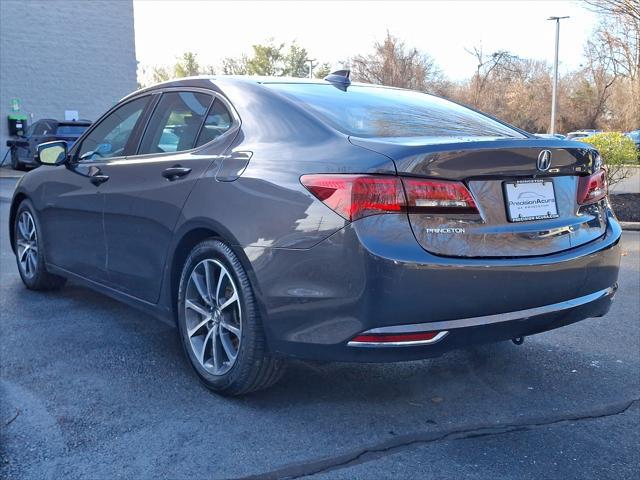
(592, 188)
(438, 196)
(357, 196)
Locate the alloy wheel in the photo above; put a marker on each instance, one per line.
(27, 244)
(213, 316)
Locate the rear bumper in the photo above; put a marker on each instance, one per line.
(460, 337)
(372, 276)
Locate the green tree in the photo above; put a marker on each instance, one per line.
(160, 74)
(270, 59)
(186, 66)
(267, 60)
(322, 71)
(295, 61)
(235, 66)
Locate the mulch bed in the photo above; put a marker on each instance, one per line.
(626, 206)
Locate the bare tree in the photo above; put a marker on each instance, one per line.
(394, 64)
(486, 66)
(618, 40)
(629, 8)
(601, 73)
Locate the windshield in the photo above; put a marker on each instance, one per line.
(369, 111)
(71, 129)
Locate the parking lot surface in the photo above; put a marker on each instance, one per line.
(90, 388)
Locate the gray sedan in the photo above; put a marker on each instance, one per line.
(272, 218)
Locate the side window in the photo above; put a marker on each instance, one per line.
(41, 128)
(218, 121)
(175, 122)
(31, 130)
(109, 138)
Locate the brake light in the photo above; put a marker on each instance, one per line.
(592, 188)
(438, 196)
(357, 196)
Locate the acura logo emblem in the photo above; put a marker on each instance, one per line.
(544, 160)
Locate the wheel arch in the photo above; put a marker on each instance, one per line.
(17, 200)
(188, 237)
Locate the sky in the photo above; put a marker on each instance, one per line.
(333, 31)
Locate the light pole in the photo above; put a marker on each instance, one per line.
(554, 94)
(311, 65)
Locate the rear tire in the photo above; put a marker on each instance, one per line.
(29, 247)
(220, 325)
(15, 161)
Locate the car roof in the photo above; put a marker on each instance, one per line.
(258, 79)
(74, 122)
(64, 122)
(209, 81)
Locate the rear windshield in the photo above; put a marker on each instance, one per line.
(366, 111)
(71, 129)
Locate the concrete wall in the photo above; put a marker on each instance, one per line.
(64, 55)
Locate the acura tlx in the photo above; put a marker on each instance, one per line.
(320, 219)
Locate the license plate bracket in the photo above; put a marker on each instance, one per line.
(529, 200)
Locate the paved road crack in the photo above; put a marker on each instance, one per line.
(403, 442)
(12, 418)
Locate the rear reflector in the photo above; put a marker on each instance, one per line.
(592, 188)
(406, 337)
(396, 339)
(357, 196)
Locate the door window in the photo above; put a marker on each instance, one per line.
(175, 122)
(109, 138)
(218, 122)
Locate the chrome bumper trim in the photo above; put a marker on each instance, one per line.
(410, 343)
(497, 318)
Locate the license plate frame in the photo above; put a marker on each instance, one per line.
(536, 203)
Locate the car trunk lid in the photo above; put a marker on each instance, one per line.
(508, 188)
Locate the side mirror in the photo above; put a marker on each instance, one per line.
(52, 153)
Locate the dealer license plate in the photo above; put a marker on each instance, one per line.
(528, 200)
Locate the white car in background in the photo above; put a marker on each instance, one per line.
(582, 134)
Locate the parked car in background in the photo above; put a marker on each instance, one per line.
(23, 149)
(551, 135)
(326, 220)
(581, 134)
(634, 135)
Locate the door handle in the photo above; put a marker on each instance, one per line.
(99, 179)
(175, 172)
(96, 176)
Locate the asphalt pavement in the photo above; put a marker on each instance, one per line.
(90, 388)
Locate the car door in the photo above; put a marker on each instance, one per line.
(72, 216)
(145, 192)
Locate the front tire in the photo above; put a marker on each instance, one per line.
(220, 326)
(29, 248)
